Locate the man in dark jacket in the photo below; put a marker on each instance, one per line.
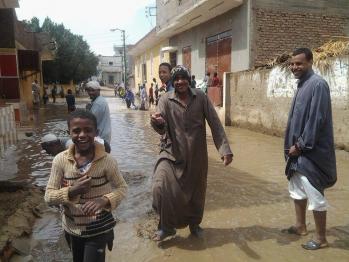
(309, 148)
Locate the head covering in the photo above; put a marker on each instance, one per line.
(49, 138)
(94, 85)
(68, 143)
(180, 70)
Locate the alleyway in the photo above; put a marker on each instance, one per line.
(246, 207)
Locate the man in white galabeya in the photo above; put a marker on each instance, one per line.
(309, 148)
(99, 107)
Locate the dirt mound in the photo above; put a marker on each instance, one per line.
(18, 211)
(147, 226)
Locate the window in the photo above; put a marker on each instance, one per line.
(173, 59)
(144, 72)
(110, 79)
(162, 55)
(110, 63)
(9, 83)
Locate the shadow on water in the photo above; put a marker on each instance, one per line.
(26, 160)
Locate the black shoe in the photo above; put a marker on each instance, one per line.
(196, 230)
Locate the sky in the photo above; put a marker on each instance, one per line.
(94, 19)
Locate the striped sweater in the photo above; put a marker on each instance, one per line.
(106, 181)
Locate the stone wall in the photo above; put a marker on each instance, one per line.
(260, 99)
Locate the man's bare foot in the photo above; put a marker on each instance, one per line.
(293, 230)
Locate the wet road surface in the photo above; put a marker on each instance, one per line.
(247, 203)
(247, 206)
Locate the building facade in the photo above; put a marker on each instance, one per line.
(236, 35)
(22, 53)
(148, 54)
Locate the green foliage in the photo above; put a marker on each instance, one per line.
(34, 24)
(73, 59)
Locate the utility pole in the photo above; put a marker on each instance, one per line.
(125, 63)
(124, 52)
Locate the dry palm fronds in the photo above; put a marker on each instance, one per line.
(329, 50)
(321, 54)
(282, 60)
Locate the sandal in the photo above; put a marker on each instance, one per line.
(313, 245)
(196, 230)
(161, 235)
(292, 230)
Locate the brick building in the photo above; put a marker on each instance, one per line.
(237, 35)
(280, 26)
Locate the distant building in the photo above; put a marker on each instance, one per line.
(109, 69)
(119, 51)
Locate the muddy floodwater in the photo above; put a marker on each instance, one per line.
(247, 203)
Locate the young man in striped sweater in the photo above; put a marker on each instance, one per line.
(86, 182)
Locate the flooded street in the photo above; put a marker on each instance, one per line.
(133, 144)
(247, 203)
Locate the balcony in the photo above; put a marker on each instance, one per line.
(190, 14)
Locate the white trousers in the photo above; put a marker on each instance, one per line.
(300, 188)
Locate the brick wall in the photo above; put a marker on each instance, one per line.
(278, 31)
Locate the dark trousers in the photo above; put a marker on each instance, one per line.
(90, 249)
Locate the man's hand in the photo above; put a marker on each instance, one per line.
(80, 186)
(227, 159)
(91, 207)
(294, 151)
(157, 119)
